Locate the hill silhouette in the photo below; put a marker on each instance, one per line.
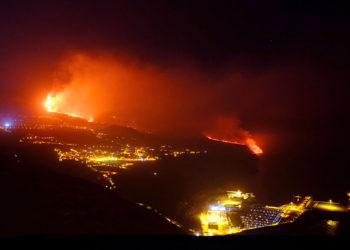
(40, 198)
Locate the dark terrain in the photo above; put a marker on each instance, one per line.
(40, 197)
(54, 204)
(182, 187)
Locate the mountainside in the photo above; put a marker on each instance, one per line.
(40, 200)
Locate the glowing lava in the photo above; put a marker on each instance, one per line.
(253, 146)
(249, 142)
(53, 102)
(227, 129)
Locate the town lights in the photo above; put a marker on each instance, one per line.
(238, 193)
(217, 208)
(6, 125)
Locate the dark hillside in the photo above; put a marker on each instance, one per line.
(38, 200)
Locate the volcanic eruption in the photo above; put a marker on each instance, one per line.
(54, 103)
(153, 98)
(227, 129)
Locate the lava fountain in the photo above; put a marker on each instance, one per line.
(54, 103)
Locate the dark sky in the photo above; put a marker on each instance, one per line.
(279, 67)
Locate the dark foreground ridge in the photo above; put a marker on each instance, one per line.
(37, 200)
(176, 242)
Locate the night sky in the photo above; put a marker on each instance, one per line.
(278, 69)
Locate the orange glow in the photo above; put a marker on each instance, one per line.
(250, 142)
(253, 147)
(49, 102)
(54, 103)
(119, 89)
(112, 88)
(226, 141)
(228, 130)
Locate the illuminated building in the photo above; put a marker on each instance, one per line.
(329, 206)
(261, 216)
(240, 211)
(225, 216)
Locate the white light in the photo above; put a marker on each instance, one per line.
(217, 208)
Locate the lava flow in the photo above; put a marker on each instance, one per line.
(227, 129)
(249, 142)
